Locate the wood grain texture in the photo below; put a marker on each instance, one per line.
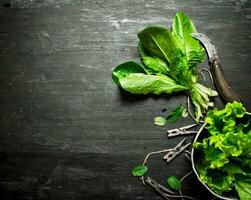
(67, 131)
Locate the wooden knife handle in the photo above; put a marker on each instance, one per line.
(223, 87)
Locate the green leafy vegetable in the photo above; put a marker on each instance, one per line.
(138, 83)
(168, 65)
(156, 65)
(160, 43)
(142, 50)
(132, 77)
(182, 27)
(139, 170)
(243, 187)
(124, 69)
(184, 113)
(159, 121)
(175, 114)
(226, 153)
(174, 183)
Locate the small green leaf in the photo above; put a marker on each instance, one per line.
(159, 121)
(174, 183)
(184, 113)
(175, 114)
(139, 170)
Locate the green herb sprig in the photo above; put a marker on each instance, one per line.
(172, 117)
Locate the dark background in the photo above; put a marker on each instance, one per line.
(66, 131)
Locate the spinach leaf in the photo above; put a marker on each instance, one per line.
(156, 65)
(182, 27)
(139, 170)
(159, 121)
(174, 183)
(139, 83)
(175, 114)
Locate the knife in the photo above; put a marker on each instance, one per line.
(223, 87)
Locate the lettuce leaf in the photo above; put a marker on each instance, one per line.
(138, 83)
(182, 27)
(125, 69)
(133, 78)
(156, 65)
(142, 50)
(243, 187)
(159, 42)
(226, 153)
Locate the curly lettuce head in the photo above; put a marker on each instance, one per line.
(226, 153)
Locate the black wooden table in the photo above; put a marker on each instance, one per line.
(66, 130)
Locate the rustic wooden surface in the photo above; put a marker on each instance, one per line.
(67, 132)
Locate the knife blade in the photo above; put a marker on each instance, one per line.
(223, 87)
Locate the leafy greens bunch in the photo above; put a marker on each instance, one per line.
(168, 64)
(225, 162)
